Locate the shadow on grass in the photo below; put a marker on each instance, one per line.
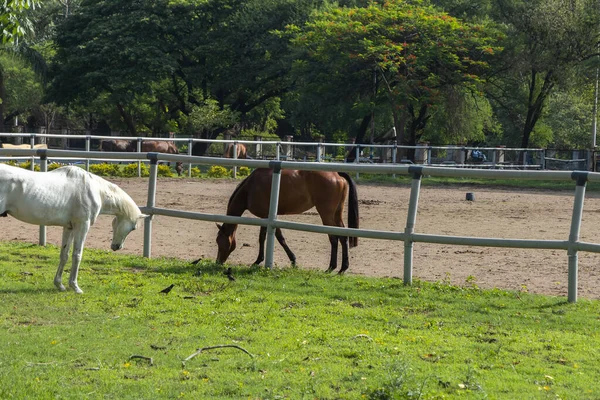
(33, 290)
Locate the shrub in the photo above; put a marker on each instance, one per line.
(196, 173)
(53, 166)
(131, 170)
(105, 169)
(164, 170)
(27, 165)
(243, 172)
(217, 171)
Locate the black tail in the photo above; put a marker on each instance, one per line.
(352, 206)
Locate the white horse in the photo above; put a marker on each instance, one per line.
(69, 197)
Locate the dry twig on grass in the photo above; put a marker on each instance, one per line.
(149, 359)
(219, 346)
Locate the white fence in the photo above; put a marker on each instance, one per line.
(456, 156)
(572, 244)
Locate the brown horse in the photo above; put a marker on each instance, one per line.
(159, 146)
(241, 151)
(115, 145)
(299, 191)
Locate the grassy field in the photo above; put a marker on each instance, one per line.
(310, 335)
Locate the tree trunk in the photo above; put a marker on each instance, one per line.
(360, 137)
(536, 103)
(415, 128)
(127, 119)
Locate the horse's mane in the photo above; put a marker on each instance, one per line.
(112, 194)
(124, 203)
(237, 189)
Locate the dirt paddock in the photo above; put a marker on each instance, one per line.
(525, 214)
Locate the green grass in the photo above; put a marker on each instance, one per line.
(312, 335)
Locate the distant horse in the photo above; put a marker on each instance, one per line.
(116, 145)
(159, 146)
(299, 191)
(23, 146)
(69, 197)
(241, 151)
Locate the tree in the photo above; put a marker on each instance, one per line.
(116, 48)
(13, 19)
(546, 40)
(399, 53)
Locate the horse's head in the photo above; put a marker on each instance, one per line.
(225, 241)
(122, 226)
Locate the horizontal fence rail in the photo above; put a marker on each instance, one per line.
(572, 244)
(458, 156)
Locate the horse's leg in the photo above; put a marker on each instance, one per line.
(345, 262)
(80, 233)
(67, 238)
(261, 245)
(281, 240)
(334, 247)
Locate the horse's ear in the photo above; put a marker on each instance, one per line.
(141, 216)
(218, 226)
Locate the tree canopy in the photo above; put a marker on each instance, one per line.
(483, 71)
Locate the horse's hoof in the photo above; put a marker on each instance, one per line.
(75, 288)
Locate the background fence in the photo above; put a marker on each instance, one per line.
(572, 244)
(455, 156)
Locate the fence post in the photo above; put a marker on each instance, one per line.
(394, 155)
(543, 159)
(273, 205)
(43, 168)
(411, 219)
(150, 204)
(319, 152)
(581, 180)
(357, 159)
(234, 156)
(190, 146)
(32, 143)
(139, 150)
(87, 148)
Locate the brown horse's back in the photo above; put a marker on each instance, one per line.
(241, 151)
(159, 146)
(299, 192)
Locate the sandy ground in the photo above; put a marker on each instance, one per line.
(494, 213)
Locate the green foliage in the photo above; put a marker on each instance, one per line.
(131, 170)
(53, 166)
(13, 19)
(164, 170)
(243, 172)
(22, 90)
(312, 335)
(105, 169)
(27, 165)
(196, 173)
(545, 45)
(568, 116)
(413, 50)
(217, 171)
